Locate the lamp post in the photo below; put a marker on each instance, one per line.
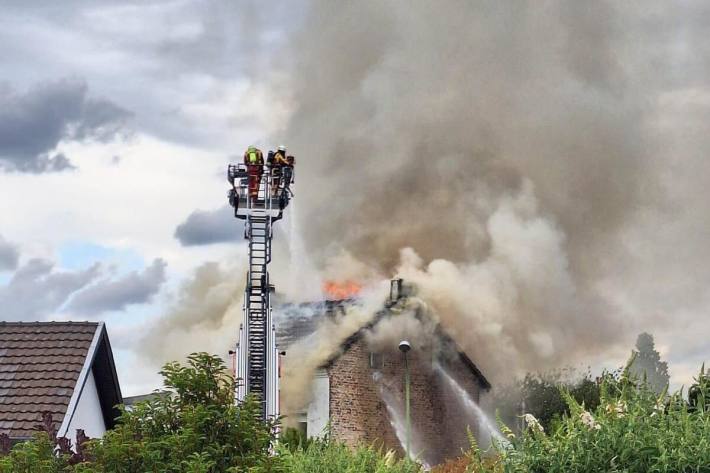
(404, 347)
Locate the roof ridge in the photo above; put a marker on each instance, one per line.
(52, 322)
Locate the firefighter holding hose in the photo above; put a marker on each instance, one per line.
(254, 161)
(288, 176)
(277, 167)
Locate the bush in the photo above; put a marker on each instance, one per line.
(633, 430)
(196, 428)
(539, 394)
(456, 465)
(323, 456)
(293, 439)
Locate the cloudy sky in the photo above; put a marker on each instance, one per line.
(117, 120)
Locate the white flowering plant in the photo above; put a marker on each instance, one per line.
(632, 430)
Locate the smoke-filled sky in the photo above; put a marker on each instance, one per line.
(538, 169)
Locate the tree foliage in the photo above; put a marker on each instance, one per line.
(197, 428)
(632, 430)
(539, 394)
(647, 364)
(618, 424)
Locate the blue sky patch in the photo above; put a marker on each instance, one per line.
(75, 255)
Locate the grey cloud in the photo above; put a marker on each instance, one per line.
(204, 227)
(36, 290)
(33, 123)
(232, 38)
(148, 64)
(134, 288)
(9, 255)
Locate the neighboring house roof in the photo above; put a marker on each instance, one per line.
(298, 321)
(130, 401)
(43, 368)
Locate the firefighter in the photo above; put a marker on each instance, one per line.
(254, 160)
(277, 167)
(288, 175)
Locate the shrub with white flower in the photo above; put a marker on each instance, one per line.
(630, 429)
(659, 407)
(588, 420)
(533, 423)
(617, 408)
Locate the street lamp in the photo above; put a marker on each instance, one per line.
(404, 347)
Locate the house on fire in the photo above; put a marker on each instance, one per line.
(65, 369)
(358, 393)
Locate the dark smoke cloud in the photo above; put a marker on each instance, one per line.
(33, 123)
(116, 294)
(9, 255)
(514, 149)
(204, 227)
(431, 113)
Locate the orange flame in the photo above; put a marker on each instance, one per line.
(341, 290)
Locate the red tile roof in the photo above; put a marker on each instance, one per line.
(40, 363)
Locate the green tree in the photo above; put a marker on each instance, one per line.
(196, 427)
(36, 456)
(539, 394)
(647, 364)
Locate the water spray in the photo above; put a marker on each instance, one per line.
(484, 423)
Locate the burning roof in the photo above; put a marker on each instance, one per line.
(298, 322)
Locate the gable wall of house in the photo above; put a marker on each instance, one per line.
(88, 415)
(359, 413)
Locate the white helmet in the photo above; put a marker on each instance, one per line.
(282, 148)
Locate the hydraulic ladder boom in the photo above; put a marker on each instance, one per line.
(257, 355)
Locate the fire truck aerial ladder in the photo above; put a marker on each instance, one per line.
(256, 352)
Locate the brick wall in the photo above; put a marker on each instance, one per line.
(358, 413)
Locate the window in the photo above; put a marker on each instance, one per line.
(376, 361)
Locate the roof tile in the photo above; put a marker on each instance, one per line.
(40, 363)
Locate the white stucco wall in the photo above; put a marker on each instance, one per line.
(319, 408)
(88, 414)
